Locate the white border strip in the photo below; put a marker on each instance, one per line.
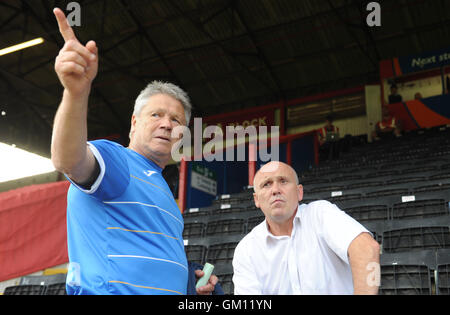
(99, 179)
(143, 204)
(145, 257)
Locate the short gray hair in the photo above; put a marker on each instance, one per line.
(159, 87)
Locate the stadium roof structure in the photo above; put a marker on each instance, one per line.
(227, 54)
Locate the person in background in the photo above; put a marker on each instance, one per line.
(387, 127)
(394, 97)
(329, 140)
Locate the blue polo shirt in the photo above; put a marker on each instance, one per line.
(124, 235)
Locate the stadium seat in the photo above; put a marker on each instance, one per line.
(433, 187)
(368, 213)
(195, 253)
(441, 175)
(344, 197)
(254, 221)
(420, 209)
(407, 273)
(234, 199)
(403, 180)
(364, 184)
(56, 289)
(221, 249)
(198, 212)
(43, 280)
(194, 229)
(309, 179)
(443, 272)
(383, 173)
(32, 289)
(405, 280)
(225, 275)
(420, 169)
(225, 227)
(388, 192)
(236, 208)
(420, 234)
(37, 289)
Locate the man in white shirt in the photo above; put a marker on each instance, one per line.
(302, 249)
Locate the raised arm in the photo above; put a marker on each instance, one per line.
(76, 67)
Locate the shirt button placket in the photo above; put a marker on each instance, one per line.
(292, 267)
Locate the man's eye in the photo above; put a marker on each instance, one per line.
(155, 115)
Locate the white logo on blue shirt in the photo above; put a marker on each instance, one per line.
(149, 173)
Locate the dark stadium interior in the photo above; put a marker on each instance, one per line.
(233, 55)
(227, 54)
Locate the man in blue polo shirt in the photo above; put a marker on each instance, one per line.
(124, 228)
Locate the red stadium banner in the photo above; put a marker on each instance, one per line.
(425, 113)
(33, 232)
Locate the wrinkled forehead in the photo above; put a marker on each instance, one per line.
(164, 103)
(163, 100)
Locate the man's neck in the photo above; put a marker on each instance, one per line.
(160, 161)
(281, 228)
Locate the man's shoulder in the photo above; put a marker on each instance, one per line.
(314, 205)
(110, 150)
(315, 209)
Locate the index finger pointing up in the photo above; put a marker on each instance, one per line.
(64, 27)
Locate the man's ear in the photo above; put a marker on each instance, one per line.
(300, 192)
(255, 198)
(133, 125)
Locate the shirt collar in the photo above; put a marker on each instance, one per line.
(268, 235)
(148, 161)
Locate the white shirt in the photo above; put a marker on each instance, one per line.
(313, 260)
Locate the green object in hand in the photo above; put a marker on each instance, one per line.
(207, 269)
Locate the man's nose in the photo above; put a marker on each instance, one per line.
(166, 123)
(275, 189)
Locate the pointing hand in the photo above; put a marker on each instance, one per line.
(76, 65)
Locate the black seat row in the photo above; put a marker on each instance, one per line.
(416, 273)
(37, 289)
(228, 226)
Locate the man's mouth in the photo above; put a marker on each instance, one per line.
(163, 138)
(276, 201)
